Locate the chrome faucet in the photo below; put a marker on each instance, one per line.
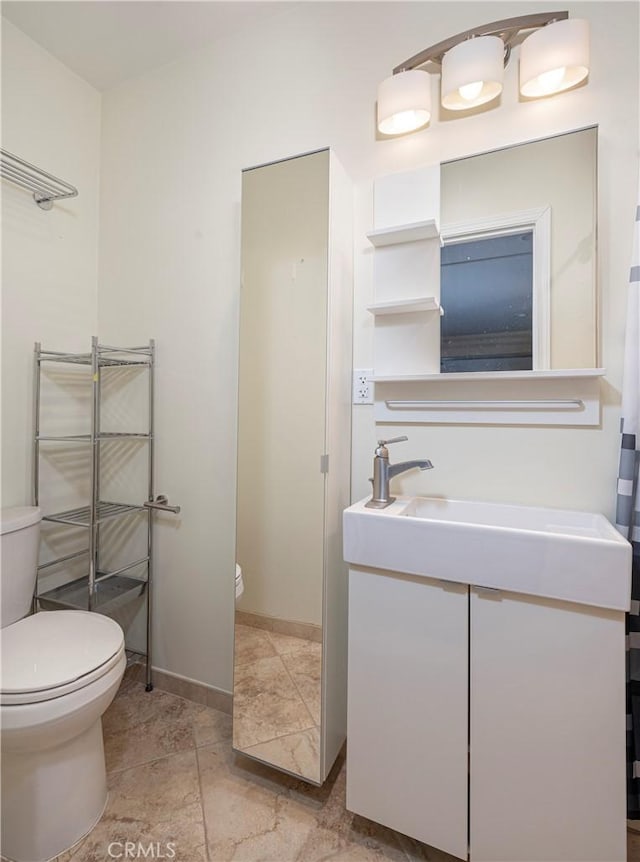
(383, 472)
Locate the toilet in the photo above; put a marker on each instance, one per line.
(239, 582)
(60, 672)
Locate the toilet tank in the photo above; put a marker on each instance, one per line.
(20, 534)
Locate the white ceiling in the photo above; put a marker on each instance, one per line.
(108, 41)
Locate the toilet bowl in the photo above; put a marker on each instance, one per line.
(60, 672)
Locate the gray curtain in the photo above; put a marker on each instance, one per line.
(628, 519)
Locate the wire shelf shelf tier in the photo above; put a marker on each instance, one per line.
(86, 438)
(111, 593)
(84, 517)
(102, 356)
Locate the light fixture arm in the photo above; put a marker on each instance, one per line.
(507, 29)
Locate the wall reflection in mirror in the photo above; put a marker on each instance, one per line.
(518, 265)
(283, 490)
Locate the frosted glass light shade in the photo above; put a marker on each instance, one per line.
(404, 102)
(554, 58)
(472, 73)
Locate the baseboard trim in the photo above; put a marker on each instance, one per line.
(183, 686)
(308, 631)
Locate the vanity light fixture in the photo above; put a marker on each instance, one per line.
(554, 57)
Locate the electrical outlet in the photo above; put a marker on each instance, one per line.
(362, 386)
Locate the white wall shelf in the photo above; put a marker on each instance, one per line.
(406, 272)
(496, 376)
(412, 232)
(407, 306)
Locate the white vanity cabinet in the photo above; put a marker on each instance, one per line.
(487, 723)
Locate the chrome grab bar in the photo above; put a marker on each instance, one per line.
(161, 503)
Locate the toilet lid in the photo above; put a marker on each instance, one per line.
(17, 518)
(54, 648)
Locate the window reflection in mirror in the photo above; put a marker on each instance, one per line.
(495, 335)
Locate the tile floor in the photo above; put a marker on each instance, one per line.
(174, 778)
(175, 783)
(277, 680)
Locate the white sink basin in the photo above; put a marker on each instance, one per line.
(551, 553)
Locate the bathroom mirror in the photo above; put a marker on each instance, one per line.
(293, 464)
(518, 263)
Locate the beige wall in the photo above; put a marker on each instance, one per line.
(174, 144)
(51, 118)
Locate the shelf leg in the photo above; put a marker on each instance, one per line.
(152, 346)
(95, 418)
(36, 445)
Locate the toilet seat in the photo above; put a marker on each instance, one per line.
(52, 653)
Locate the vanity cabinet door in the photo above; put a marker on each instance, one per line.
(547, 731)
(408, 705)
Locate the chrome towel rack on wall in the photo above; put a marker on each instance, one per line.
(490, 404)
(45, 187)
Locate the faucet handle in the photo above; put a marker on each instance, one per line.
(381, 449)
(393, 440)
